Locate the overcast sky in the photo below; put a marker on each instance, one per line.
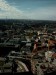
(28, 9)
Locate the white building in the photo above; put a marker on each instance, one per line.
(48, 55)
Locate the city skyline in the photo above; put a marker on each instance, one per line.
(28, 9)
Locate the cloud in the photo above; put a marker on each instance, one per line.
(28, 8)
(10, 11)
(41, 13)
(46, 13)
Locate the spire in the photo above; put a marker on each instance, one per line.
(35, 46)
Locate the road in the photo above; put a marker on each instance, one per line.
(22, 67)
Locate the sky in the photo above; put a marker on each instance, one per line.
(28, 9)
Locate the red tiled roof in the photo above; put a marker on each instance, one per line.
(54, 55)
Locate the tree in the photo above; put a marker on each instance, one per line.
(14, 66)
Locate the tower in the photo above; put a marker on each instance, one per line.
(45, 29)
